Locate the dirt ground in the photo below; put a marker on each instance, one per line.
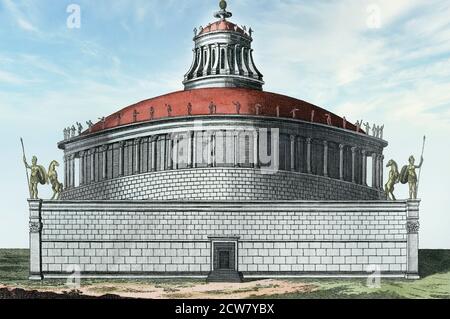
(170, 291)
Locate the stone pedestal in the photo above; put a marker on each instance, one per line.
(35, 239)
(412, 227)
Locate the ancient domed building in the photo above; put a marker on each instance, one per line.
(224, 178)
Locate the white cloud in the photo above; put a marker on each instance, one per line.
(25, 25)
(19, 16)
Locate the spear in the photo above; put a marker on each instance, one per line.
(420, 169)
(26, 170)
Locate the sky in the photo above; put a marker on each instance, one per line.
(383, 61)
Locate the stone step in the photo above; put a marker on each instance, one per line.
(225, 276)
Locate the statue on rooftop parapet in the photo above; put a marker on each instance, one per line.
(408, 174)
(394, 178)
(57, 187)
(89, 124)
(80, 128)
(367, 126)
(38, 176)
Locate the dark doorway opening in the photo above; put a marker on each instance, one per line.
(224, 256)
(224, 259)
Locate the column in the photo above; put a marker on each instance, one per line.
(175, 152)
(236, 149)
(154, 141)
(374, 170)
(66, 172)
(104, 162)
(137, 156)
(209, 149)
(227, 64)
(92, 164)
(81, 167)
(308, 155)
(292, 153)
(381, 171)
(341, 162)
(213, 149)
(364, 168)
(121, 157)
(354, 164)
(194, 149)
(256, 148)
(190, 150)
(72, 170)
(325, 158)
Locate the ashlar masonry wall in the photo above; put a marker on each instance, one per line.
(273, 239)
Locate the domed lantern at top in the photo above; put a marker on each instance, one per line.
(223, 56)
(223, 13)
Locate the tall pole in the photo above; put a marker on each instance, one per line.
(26, 170)
(420, 169)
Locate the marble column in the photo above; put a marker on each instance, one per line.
(154, 140)
(92, 164)
(325, 158)
(308, 155)
(81, 167)
(354, 164)
(190, 149)
(137, 156)
(66, 172)
(341, 162)
(381, 171)
(256, 149)
(374, 170)
(236, 149)
(364, 168)
(175, 152)
(292, 153)
(72, 170)
(121, 158)
(104, 150)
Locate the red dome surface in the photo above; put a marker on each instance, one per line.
(222, 25)
(225, 99)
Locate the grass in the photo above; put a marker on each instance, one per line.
(434, 269)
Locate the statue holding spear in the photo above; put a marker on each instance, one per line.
(38, 174)
(408, 174)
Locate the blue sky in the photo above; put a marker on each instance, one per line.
(324, 52)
